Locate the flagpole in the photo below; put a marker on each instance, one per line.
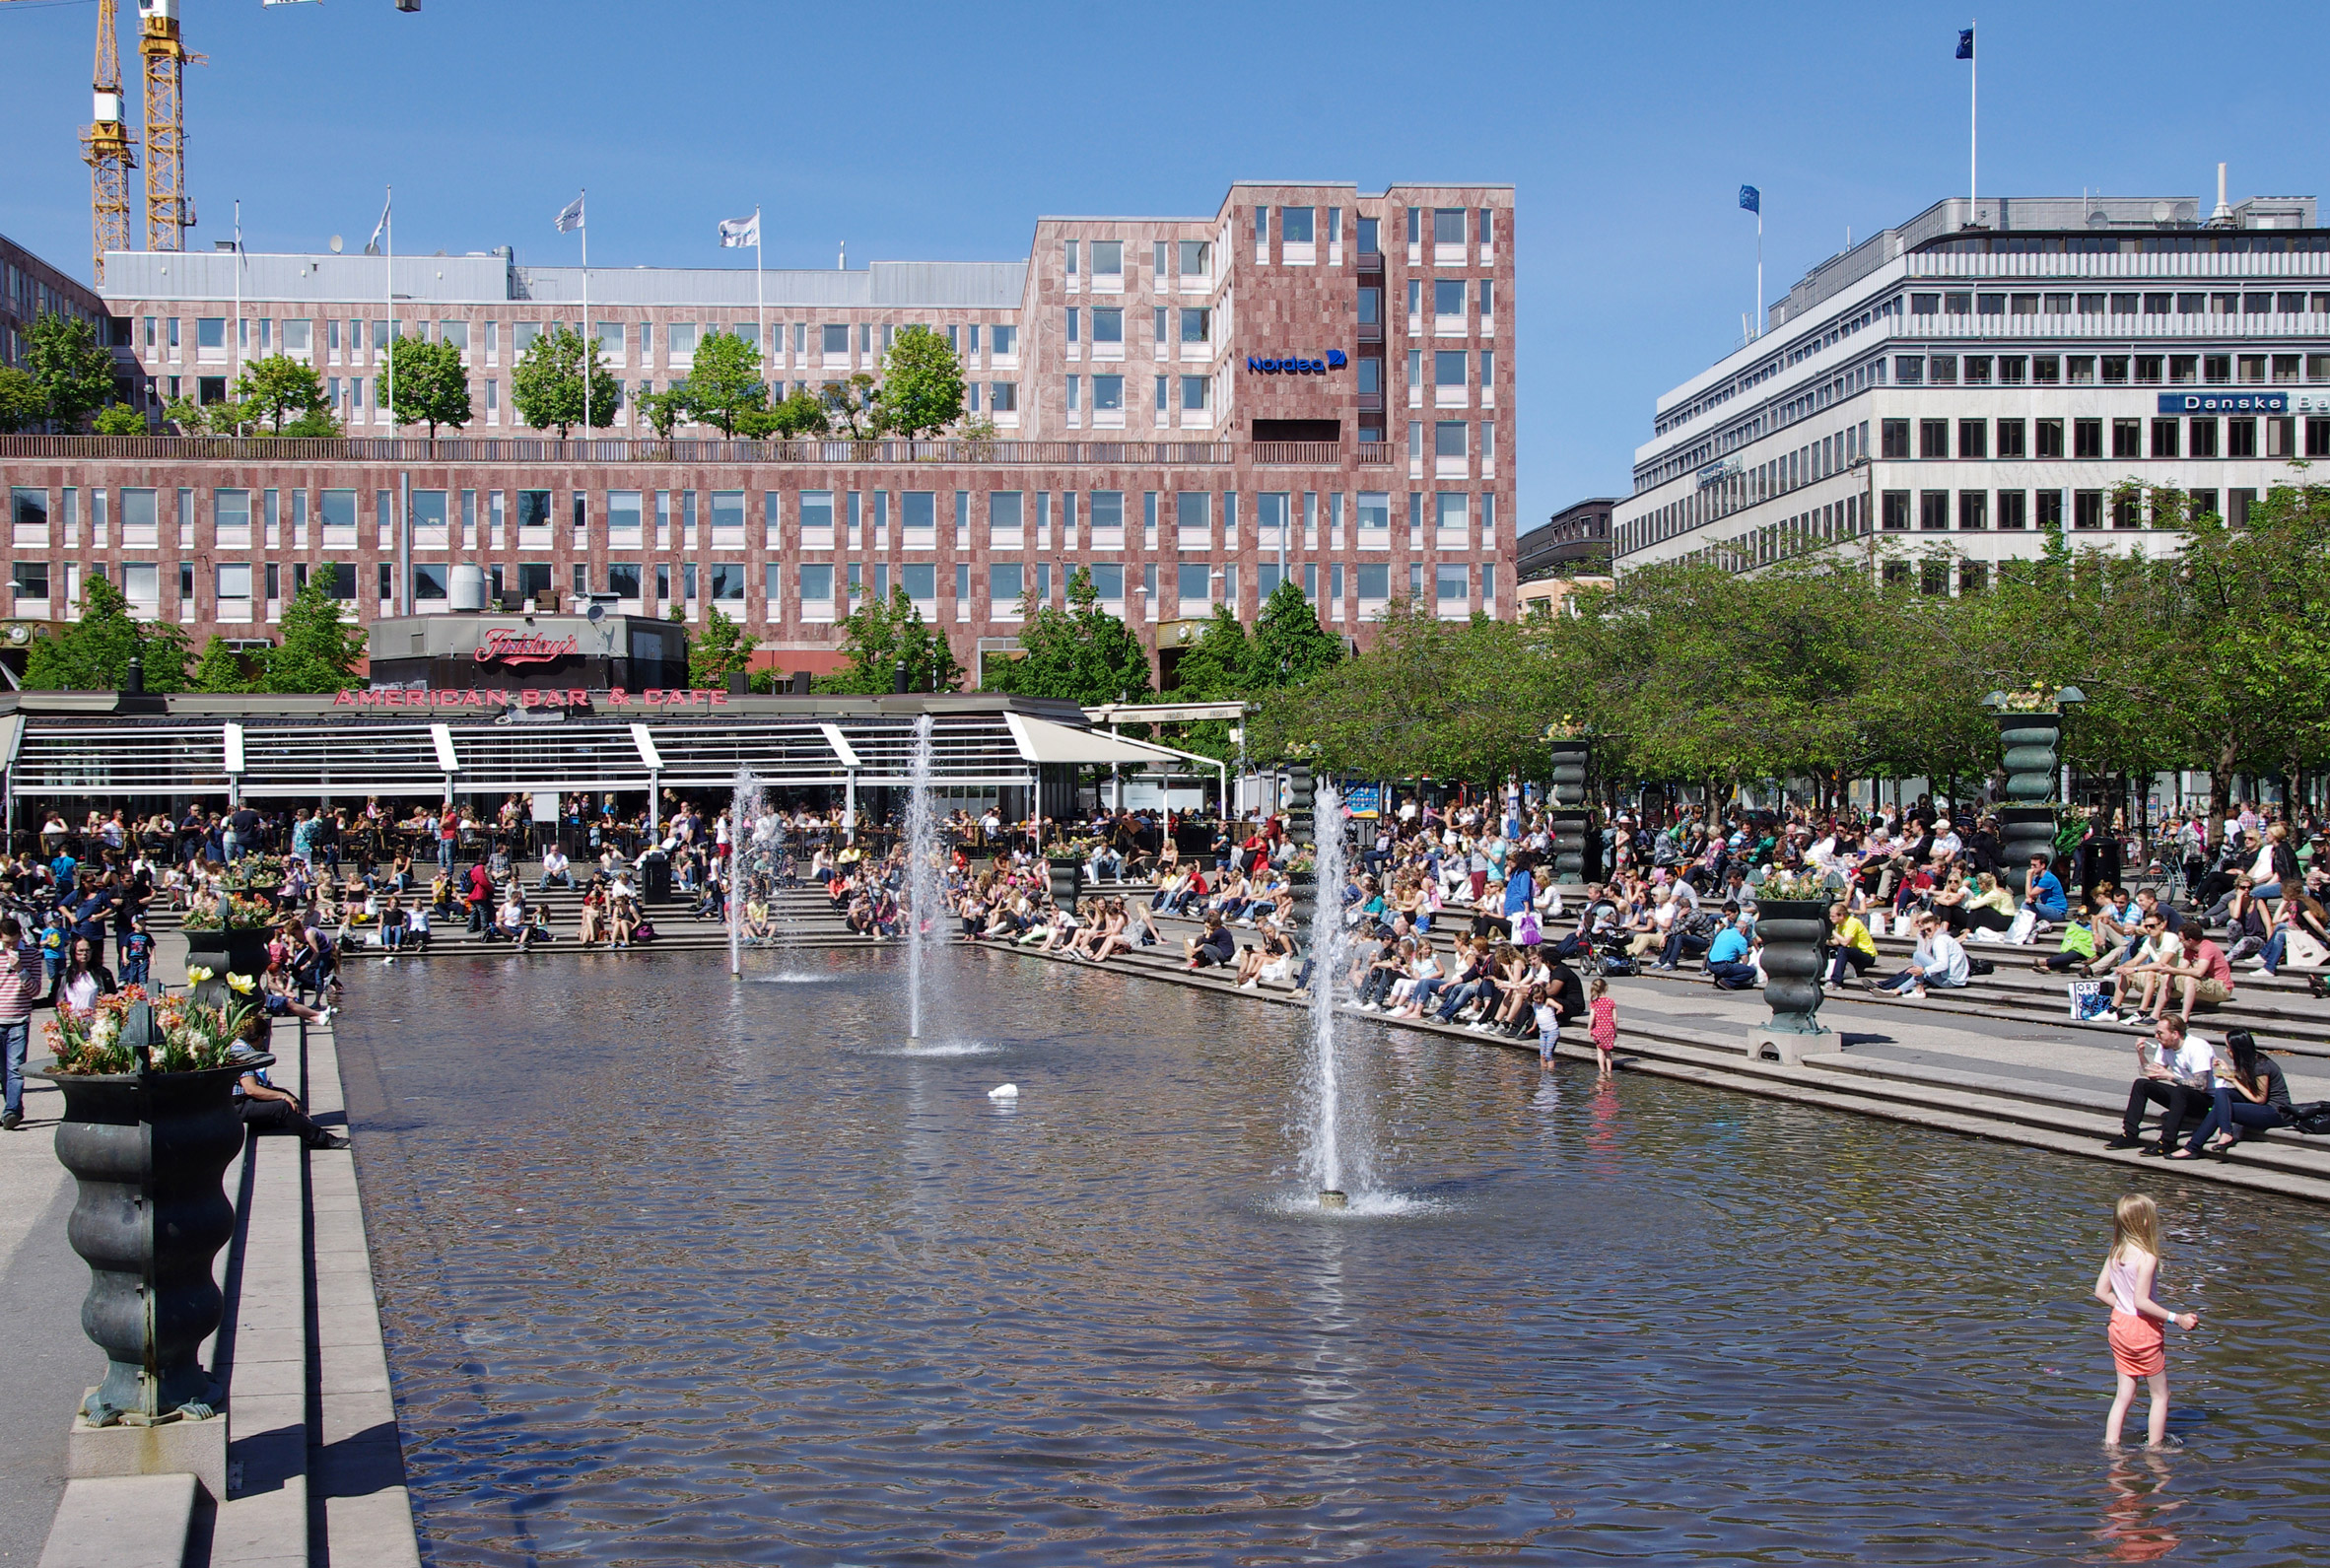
(389, 217)
(1759, 263)
(1973, 96)
(589, 355)
(237, 303)
(760, 310)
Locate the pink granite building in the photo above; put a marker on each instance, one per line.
(1310, 383)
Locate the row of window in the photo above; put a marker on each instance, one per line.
(816, 513)
(2157, 301)
(2106, 369)
(1105, 258)
(1187, 324)
(2195, 436)
(2129, 507)
(296, 337)
(1108, 392)
(236, 584)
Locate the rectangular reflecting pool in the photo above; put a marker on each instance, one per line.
(678, 1271)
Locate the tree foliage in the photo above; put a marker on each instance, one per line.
(93, 653)
(221, 668)
(431, 383)
(74, 375)
(22, 404)
(878, 636)
(724, 386)
(546, 386)
(118, 419)
(922, 391)
(722, 648)
(1080, 654)
(280, 387)
(316, 651)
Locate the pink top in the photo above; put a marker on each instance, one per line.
(1604, 1030)
(2122, 1277)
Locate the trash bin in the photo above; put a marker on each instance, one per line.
(654, 878)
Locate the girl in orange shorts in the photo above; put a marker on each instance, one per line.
(2138, 1341)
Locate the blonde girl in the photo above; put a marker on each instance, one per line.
(2139, 1347)
(1603, 1023)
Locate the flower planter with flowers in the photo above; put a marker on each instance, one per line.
(2031, 740)
(1792, 918)
(228, 938)
(149, 1127)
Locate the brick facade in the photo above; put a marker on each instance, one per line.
(1270, 300)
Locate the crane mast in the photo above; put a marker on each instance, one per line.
(107, 147)
(170, 211)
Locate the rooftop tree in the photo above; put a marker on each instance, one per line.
(546, 386)
(74, 373)
(432, 385)
(922, 391)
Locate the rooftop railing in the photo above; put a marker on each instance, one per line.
(603, 449)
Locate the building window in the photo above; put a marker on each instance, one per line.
(1896, 438)
(1448, 438)
(2050, 438)
(2011, 509)
(1934, 511)
(2203, 430)
(1973, 438)
(2050, 510)
(1973, 511)
(1295, 225)
(1003, 397)
(2010, 438)
(1108, 326)
(1108, 392)
(2240, 437)
(1447, 367)
(1933, 437)
(1896, 510)
(1197, 393)
(2086, 508)
(1108, 258)
(1909, 370)
(836, 338)
(29, 579)
(2087, 437)
(1196, 324)
(2163, 437)
(2127, 438)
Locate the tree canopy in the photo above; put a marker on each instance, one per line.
(316, 651)
(921, 391)
(432, 386)
(280, 387)
(546, 386)
(879, 634)
(93, 653)
(1080, 654)
(724, 386)
(73, 373)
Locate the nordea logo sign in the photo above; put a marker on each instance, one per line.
(1334, 360)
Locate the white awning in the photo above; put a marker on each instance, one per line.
(1041, 740)
(1164, 712)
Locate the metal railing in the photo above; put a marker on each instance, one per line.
(603, 449)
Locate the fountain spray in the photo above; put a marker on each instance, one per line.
(922, 876)
(743, 811)
(1324, 1160)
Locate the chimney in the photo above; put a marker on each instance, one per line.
(2223, 217)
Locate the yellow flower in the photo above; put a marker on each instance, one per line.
(196, 973)
(242, 983)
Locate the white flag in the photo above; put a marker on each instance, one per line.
(740, 231)
(371, 247)
(570, 216)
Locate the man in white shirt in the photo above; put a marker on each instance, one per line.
(2174, 1071)
(1937, 963)
(555, 867)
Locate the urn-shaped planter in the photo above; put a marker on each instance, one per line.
(1572, 822)
(1793, 930)
(2031, 749)
(1067, 882)
(146, 1151)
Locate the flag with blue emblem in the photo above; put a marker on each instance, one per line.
(1965, 43)
(1752, 199)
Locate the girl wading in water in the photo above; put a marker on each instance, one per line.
(2139, 1347)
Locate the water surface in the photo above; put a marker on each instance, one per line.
(680, 1271)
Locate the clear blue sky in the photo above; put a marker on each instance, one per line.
(923, 131)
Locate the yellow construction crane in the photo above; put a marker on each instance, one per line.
(170, 211)
(107, 148)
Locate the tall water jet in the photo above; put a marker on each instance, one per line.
(923, 893)
(743, 812)
(1334, 1166)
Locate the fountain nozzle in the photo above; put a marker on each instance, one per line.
(1331, 1199)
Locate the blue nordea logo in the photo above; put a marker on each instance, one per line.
(1334, 360)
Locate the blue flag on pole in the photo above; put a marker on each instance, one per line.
(1752, 198)
(1965, 43)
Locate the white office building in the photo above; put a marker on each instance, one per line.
(1944, 393)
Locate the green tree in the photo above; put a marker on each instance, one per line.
(724, 386)
(801, 414)
(546, 386)
(318, 650)
(93, 653)
(316, 422)
(279, 388)
(856, 406)
(75, 375)
(1289, 645)
(660, 411)
(1080, 654)
(722, 650)
(118, 419)
(21, 403)
(878, 636)
(921, 391)
(221, 668)
(432, 386)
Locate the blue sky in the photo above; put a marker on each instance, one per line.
(943, 132)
